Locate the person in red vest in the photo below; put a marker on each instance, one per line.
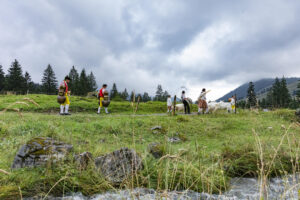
(64, 108)
(101, 98)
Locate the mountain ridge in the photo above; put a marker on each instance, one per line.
(262, 86)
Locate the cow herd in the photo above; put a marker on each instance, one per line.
(213, 106)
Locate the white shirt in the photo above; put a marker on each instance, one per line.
(183, 96)
(203, 96)
(169, 101)
(232, 101)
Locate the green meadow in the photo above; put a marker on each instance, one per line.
(213, 148)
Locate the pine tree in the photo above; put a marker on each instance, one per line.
(165, 96)
(114, 91)
(92, 84)
(83, 83)
(74, 82)
(276, 93)
(263, 103)
(159, 93)
(251, 96)
(49, 82)
(2, 78)
(285, 97)
(298, 92)
(146, 97)
(14, 79)
(124, 95)
(28, 82)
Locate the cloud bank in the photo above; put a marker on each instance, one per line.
(140, 44)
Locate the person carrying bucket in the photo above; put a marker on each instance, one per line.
(63, 96)
(101, 95)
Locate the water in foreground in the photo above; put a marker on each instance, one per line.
(241, 188)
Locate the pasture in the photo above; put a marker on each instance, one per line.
(212, 149)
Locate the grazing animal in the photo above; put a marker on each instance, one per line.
(214, 106)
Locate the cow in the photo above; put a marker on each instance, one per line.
(214, 106)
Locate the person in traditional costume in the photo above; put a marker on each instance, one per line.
(64, 94)
(101, 95)
(202, 104)
(185, 103)
(232, 103)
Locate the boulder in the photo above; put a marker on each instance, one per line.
(39, 151)
(82, 160)
(156, 149)
(119, 165)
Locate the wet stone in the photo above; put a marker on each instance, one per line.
(39, 151)
(119, 165)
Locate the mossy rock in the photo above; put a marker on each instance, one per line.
(39, 151)
(157, 149)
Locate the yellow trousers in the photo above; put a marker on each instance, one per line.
(67, 101)
(101, 99)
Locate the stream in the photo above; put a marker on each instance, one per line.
(241, 189)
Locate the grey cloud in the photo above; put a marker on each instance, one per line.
(132, 42)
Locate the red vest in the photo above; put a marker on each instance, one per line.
(101, 92)
(66, 86)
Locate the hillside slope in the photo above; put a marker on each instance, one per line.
(262, 86)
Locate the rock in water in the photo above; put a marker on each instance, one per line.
(83, 160)
(39, 151)
(119, 165)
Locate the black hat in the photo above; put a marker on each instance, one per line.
(67, 78)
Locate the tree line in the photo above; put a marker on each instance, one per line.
(19, 83)
(81, 83)
(160, 95)
(278, 96)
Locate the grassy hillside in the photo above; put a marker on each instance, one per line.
(48, 104)
(213, 149)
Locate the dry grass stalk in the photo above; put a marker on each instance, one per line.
(19, 103)
(4, 172)
(31, 101)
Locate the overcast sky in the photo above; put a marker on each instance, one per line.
(139, 44)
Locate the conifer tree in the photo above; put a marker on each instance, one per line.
(276, 93)
(298, 92)
(251, 96)
(124, 95)
(92, 84)
(285, 97)
(49, 82)
(159, 93)
(165, 96)
(114, 91)
(74, 81)
(146, 97)
(2, 78)
(28, 82)
(83, 83)
(14, 79)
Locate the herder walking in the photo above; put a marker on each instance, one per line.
(185, 103)
(102, 93)
(202, 104)
(63, 96)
